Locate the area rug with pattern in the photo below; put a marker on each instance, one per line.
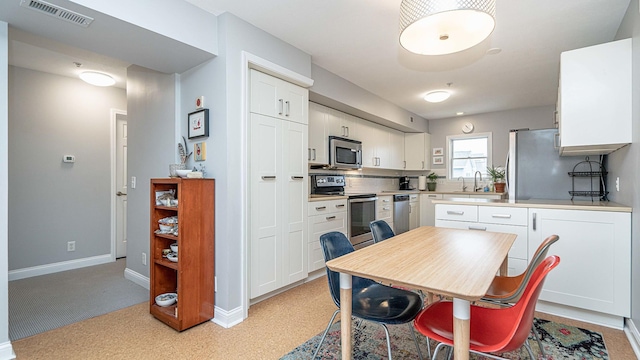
(559, 341)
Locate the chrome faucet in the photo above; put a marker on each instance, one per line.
(475, 181)
(464, 187)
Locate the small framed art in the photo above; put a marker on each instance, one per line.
(437, 152)
(438, 160)
(198, 123)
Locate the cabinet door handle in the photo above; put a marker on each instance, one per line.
(321, 208)
(268, 178)
(450, 212)
(330, 217)
(120, 193)
(386, 201)
(346, 127)
(534, 221)
(281, 106)
(288, 108)
(297, 177)
(555, 118)
(386, 208)
(309, 155)
(501, 216)
(314, 154)
(340, 205)
(479, 228)
(344, 131)
(431, 196)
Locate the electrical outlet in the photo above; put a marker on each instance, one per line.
(133, 182)
(617, 184)
(144, 258)
(71, 246)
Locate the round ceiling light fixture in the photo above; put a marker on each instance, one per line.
(439, 27)
(97, 78)
(437, 96)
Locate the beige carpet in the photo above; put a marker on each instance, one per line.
(274, 327)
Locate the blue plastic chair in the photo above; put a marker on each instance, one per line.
(380, 230)
(371, 301)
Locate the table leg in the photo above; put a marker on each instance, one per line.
(504, 267)
(345, 315)
(461, 328)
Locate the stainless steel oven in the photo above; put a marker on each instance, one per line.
(361, 212)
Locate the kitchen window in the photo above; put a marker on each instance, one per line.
(468, 154)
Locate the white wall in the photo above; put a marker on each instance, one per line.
(6, 351)
(625, 163)
(151, 108)
(498, 123)
(51, 202)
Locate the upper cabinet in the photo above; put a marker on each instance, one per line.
(417, 151)
(594, 110)
(277, 98)
(343, 125)
(318, 152)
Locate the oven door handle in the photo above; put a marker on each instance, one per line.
(363, 200)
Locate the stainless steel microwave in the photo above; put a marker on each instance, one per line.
(345, 153)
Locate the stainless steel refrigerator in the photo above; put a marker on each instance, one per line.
(535, 170)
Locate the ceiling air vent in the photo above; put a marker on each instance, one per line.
(57, 11)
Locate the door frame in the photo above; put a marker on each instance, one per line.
(112, 125)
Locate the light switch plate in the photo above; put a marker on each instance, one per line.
(69, 158)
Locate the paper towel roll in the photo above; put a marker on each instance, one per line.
(422, 183)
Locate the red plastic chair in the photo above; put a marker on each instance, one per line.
(492, 330)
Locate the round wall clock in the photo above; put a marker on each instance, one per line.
(467, 127)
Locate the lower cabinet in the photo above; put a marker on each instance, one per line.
(595, 258)
(414, 211)
(491, 218)
(384, 209)
(428, 209)
(324, 217)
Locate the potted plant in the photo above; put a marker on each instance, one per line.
(497, 177)
(431, 184)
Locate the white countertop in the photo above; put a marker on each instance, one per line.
(541, 203)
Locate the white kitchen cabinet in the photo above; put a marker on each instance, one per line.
(595, 99)
(342, 124)
(384, 209)
(375, 146)
(595, 259)
(318, 150)
(414, 211)
(428, 209)
(396, 149)
(278, 98)
(278, 202)
(417, 151)
(494, 219)
(324, 217)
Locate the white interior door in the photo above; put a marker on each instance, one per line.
(121, 185)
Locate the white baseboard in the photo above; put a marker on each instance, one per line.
(137, 278)
(633, 335)
(57, 267)
(227, 319)
(6, 351)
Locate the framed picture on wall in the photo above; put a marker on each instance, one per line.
(198, 123)
(437, 151)
(438, 160)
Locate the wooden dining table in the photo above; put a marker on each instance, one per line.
(451, 262)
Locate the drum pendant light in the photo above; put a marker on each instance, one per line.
(439, 27)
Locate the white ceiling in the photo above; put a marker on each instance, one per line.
(358, 40)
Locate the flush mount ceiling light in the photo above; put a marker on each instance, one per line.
(97, 79)
(437, 96)
(439, 27)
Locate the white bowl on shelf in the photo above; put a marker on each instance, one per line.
(172, 257)
(166, 299)
(174, 247)
(182, 173)
(165, 228)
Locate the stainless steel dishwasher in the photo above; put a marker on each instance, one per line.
(401, 210)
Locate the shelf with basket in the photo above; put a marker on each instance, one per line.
(182, 233)
(593, 172)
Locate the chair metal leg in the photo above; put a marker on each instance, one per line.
(325, 333)
(535, 334)
(386, 332)
(438, 347)
(528, 347)
(415, 340)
